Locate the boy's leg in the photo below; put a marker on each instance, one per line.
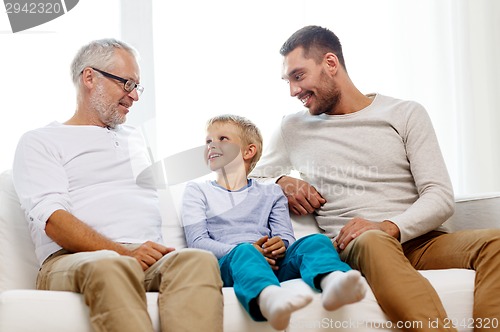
(246, 269)
(258, 288)
(401, 291)
(471, 249)
(190, 291)
(112, 286)
(315, 260)
(310, 258)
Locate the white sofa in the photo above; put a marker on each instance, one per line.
(24, 309)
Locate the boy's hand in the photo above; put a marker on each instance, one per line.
(259, 245)
(274, 248)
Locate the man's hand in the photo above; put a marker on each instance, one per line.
(302, 197)
(267, 246)
(149, 253)
(357, 226)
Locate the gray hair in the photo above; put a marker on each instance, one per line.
(97, 53)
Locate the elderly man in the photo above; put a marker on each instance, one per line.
(96, 228)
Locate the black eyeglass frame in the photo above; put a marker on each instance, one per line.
(128, 85)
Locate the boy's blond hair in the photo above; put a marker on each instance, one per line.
(249, 133)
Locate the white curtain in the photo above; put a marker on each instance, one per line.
(222, 56)
(476, 73)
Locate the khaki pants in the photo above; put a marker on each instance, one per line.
(406, 296)
(114, 286)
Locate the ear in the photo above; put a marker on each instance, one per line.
(88, 78)
(249, 152)
(331, 62)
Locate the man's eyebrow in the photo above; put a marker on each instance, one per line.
(290, 74)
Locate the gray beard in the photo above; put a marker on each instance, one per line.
(107, 114)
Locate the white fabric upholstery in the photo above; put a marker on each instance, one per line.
(24, 309)
(18, 266)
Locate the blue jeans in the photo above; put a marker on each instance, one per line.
(246, 269)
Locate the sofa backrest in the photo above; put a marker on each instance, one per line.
(18, 263)
(19, 266)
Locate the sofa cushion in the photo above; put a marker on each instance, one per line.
(455, 288)
(44, 309)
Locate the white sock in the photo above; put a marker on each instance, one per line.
(341, 288)
(277, 305)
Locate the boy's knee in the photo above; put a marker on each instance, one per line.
(320, 238)
(315, 240)
(244, 252)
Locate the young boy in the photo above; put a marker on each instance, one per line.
(247, 225)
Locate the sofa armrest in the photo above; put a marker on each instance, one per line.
(18, 263)
(475, 212)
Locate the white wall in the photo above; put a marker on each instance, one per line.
(35, 83)
(201, 58)
(222, 57)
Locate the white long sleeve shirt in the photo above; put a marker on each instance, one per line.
(380, 163)
(94, 173)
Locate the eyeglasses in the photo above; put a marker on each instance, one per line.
(128, 85)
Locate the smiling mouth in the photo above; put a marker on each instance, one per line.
(305, 99)
(214, 155)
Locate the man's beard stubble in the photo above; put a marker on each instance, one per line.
(106, 112)
(328, 97)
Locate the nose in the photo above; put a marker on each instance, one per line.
(294, 89)
(211, 145)
(134, 95)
